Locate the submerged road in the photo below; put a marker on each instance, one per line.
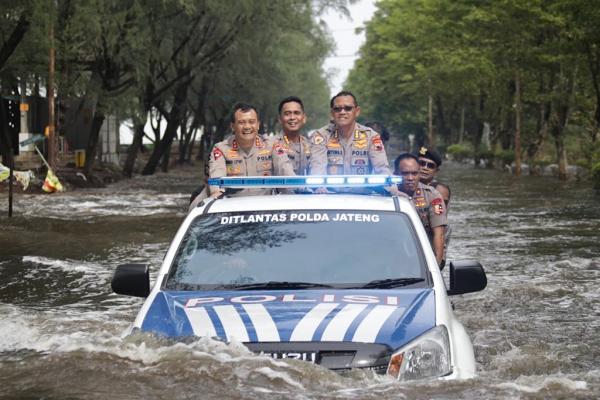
(534, 329)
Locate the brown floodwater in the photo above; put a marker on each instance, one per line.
(535, 329)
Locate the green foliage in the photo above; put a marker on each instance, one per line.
(459, 152)
(486, 155)
(506, 157)
(466, 57)
(188, 60)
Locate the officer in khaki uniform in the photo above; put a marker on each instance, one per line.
(292, 118)
(345, 146)
(247, 154)
(429, 165)
(427, 201)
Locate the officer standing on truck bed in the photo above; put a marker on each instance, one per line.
(345, 146)
(428, 202)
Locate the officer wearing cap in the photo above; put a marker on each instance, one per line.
(246, 153)
(292, 118)
(429, 165)
(427, 201)
(344, 146)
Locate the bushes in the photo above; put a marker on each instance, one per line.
(459, 152)
(507, 157)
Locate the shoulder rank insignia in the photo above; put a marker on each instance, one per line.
(317, 138)
(420, 202)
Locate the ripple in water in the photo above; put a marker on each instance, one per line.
(534, 329)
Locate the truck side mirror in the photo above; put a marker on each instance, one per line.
(466, 277)
(132, 280)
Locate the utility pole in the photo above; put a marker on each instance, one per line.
(52, 142)
(10, 190)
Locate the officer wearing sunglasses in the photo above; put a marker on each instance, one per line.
(429, 164)
(345, 146)
(427, 201)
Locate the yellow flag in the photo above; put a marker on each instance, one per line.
(51, 183)
(4, 172)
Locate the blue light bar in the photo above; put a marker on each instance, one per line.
(312, 181)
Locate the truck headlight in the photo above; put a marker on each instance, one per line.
(428, 356)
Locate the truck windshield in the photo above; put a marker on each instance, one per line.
(299, 249)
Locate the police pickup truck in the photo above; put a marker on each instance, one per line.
(341, 280)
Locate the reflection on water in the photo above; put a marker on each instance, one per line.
(535, 328)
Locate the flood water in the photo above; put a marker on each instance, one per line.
(535, 329)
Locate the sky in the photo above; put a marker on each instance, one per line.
(347, 41)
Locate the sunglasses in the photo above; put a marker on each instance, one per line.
(345, 108)
(430, 165)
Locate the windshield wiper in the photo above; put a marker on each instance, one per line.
(279, 285)
(390, 283)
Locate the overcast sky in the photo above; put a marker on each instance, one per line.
(347, 41)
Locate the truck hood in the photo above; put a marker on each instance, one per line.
(390, 317)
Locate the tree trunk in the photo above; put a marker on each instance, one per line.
(166, 158)
(562, 109)
(185, 139)
(52, 137)
(538, 141)
(190, 148)
(190, 135)
(204, 143)
(6, 147)
(14, 39)
(430, 121)
(479, 129)
(561, 154)
(136, 145)
(593, 57)
(517, 124)
(443, 130)
(173, 118)
(92, 146)
(461, 131)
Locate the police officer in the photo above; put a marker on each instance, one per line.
(446, 194)
(247, 154)
(292, 118)
(427, 201)
(429, 165)
(344, 146)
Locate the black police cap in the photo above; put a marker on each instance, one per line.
(431, 154)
